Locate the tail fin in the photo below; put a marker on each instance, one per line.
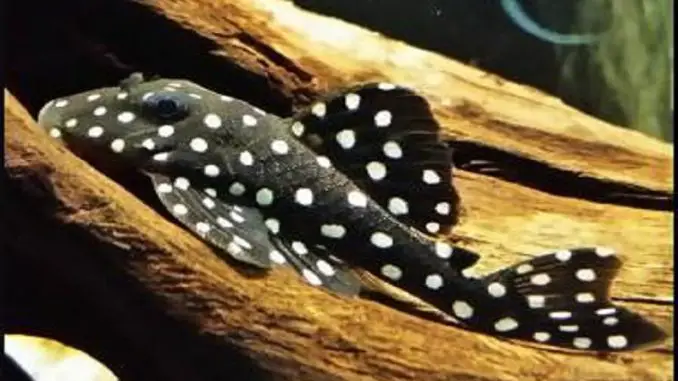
(562, 299)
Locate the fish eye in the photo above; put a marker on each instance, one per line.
(166, 106)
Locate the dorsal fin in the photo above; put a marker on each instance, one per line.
(385, 139)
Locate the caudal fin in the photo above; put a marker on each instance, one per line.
(562, 299)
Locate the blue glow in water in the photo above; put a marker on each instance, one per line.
(518, 15)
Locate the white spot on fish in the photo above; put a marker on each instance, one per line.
(462, 309)
(165, 131)
(212, 121)
(182, 183)
(443, 249)
(304, 196)
(246, 158)
(392, 149)
(604, 252)
(198, 144)
(280, 147)
(585, 297)
(99, 111)
(536, 301)
(126, 117)
(264, 197)
(617, 341)
(325, 268)
(563, 255)
(541, 336)
(569, 328)
(381, 240)
(560, 315)
(118, 145)
(540, 279)
(434, 281)
(385, 86)
(209, 203)
(333, 231)
(297, 129)
(524, 269)
(61, 103)
(249, 120)
(273, 225)
(383, 118)
(164, 188)
(93, 97)
(55, 133)
(311, 277)
(202, 227)
(443, 208)
(163, 156)
(237, 217)
(319, 109)
(179, 209)
(430, 177)
(234, 249)
(236, 189)
(433, 227)
(276, 257)
(605, 311)
(299, 248)
(241, 242)
(95, 131)
(357, 198)
(224, 223)
(148, 143)
(586, 275)
(505, 324)
(323, 161)
(496, 289)
(211, 170)
(610, 320)
(582, 342)
(71, 123)
(346, 139)
(398, 206)
(376, 170)
(352, 101)
(392, 272)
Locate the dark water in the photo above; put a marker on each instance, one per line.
(485, 34)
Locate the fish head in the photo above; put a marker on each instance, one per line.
(134, 120)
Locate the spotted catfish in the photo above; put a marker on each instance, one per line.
(359, 180)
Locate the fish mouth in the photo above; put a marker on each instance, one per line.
(46, 117)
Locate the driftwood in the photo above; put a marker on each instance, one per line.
(92, 266)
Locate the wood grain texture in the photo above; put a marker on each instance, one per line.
(107, 274)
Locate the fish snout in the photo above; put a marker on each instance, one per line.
(49, 116)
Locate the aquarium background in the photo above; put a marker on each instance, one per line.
(623, 76)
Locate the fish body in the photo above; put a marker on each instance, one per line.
(360, 179)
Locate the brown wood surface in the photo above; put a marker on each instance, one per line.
(92, 266)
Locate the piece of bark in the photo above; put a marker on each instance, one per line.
(108, 275)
